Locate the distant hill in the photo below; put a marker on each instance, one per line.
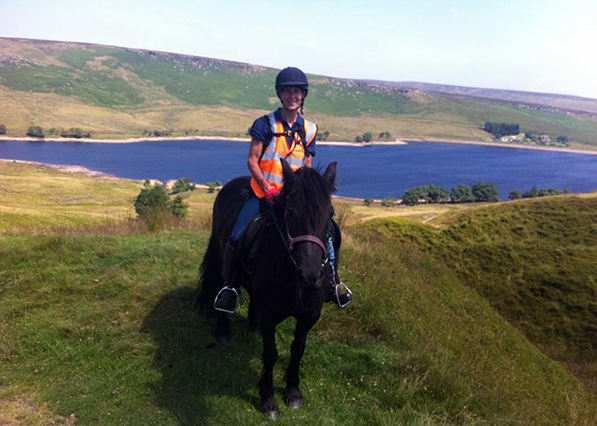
(547, 101)
(116, 92)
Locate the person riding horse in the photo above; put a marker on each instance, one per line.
(282, 134)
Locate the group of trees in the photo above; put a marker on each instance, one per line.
(158, 133)
(368, 137)
(536, 192)
(479, 192)
(365, 137)
(73, 132)
(35, 132)
(501, 129)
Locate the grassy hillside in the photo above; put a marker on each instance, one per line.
(533, 260)
(97, 327)
(118, 92)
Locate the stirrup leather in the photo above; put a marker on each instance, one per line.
(337, 294)
(224, 289)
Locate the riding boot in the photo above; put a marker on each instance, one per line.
(227, 298)
(340, 294)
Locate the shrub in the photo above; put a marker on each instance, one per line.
(153, 206)
(212, 186)
(2, 129)
(514, 195)
(388, 202)
(368, 202)
(368, 137)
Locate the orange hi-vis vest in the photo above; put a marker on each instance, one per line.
(278, 149)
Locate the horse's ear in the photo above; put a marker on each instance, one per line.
(330, 175)
(287, 171)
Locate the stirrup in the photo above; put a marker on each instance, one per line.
(223, 290)
(337, 294)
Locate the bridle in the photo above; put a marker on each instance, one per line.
(290, 241)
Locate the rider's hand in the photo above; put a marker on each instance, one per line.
(271, 194)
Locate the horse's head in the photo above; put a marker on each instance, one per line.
(307, 205)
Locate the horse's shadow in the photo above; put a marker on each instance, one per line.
(193, 369)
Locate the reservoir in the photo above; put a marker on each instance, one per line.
(376, 171)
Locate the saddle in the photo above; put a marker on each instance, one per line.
(250, 243)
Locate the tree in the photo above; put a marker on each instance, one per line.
(436, 194)
(368, 137)
(178, 207)
(2, 129)
(514, 195)
(563, 140)
(183, 185)
(415, 196)
(385, 135)
(485, 192)
(359, 139)
(462, 194)
(35, 131)
(368, 202)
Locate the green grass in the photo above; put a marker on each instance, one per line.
(97, 327)
(102, 327)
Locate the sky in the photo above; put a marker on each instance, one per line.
(531, 45)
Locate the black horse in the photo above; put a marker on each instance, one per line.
(290, 275)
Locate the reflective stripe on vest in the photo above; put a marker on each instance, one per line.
(278, 149)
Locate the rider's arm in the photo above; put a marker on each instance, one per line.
(255, 151)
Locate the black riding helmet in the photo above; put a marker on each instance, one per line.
(294, 77)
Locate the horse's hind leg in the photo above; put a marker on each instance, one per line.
(222, 330)
(293, 396)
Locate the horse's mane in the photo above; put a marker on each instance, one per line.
(308, 194)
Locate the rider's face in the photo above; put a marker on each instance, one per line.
(291, 97)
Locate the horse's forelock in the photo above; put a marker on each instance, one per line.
(308, 195)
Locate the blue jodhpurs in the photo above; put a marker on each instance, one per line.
(250, 210)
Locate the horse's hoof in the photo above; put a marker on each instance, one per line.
(296, 404)
(293, 399)
(269, 407)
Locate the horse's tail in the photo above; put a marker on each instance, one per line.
(211, 280)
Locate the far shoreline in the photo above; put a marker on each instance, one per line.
(402, 141)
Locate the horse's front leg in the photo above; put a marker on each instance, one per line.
(293, 396)
(268, 404)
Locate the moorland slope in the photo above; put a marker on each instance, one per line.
(116, 92)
